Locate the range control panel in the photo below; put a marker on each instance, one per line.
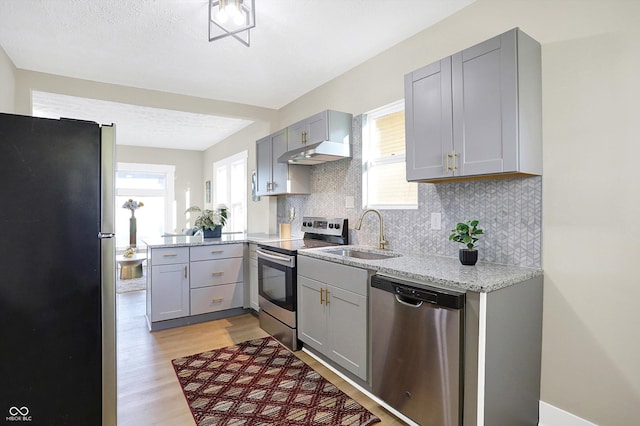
(324, 225)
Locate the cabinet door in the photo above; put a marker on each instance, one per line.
(264, 159)
(312, 321)
(347, 330)
(308, 131)
(485, 106)
(429, 121)
(317, 127)
(279, 170)
(169, 292)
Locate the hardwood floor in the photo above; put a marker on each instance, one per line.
(148, 391)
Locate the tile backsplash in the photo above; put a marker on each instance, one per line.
(509, 211)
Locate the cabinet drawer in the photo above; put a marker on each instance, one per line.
(220, 251)
(216, 298)
(215, 272)
(342, 276)
(167, 256)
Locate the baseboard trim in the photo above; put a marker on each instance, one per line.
(554, 416)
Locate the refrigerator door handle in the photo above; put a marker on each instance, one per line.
(102, 235)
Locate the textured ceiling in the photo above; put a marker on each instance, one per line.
(163, 45)
(141, 126)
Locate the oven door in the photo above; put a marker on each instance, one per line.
(277, 278)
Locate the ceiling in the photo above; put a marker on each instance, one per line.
(296, 46)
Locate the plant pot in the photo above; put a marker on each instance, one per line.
(468, 257)
(214, 233)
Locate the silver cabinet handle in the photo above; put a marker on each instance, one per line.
(185, 271)
(217, 251)
(217, 299)
(170, 255)
(102, 235)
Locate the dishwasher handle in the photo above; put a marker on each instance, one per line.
(411, 293)
(411, 303)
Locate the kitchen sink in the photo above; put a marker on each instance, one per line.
(360, 254)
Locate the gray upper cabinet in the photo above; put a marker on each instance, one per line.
(327, 125)
(274, 178)
(477, 112)
(428, 120)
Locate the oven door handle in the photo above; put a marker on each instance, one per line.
(274, 257)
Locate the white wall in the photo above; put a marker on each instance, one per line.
(261, 215)
(7, 83)
(591, 192)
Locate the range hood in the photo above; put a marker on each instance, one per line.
(317, 153)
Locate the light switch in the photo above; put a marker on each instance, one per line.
(436, 221)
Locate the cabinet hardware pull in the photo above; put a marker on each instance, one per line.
(217, 273)
(326, 297)
(453, 156)
(449, 155)
(304, 137)
(185, 271)
(170, 255)
(217, 299)
(321, 299)
(217, 251)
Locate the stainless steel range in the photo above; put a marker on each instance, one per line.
(277, 275)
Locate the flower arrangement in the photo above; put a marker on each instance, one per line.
(209, 219)
(132, 205)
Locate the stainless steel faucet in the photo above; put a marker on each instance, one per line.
(382, 241)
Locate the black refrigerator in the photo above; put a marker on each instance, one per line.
(57, 272)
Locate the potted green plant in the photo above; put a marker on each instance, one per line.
(465, 233)
(210, 221)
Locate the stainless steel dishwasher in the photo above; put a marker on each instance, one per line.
(416, 341)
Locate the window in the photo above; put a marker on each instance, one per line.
(230, 189)
(153, 185)
(384, 181)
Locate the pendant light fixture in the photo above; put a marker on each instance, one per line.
(231, 18)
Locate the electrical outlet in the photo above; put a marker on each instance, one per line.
(349, 202)
(436, 221)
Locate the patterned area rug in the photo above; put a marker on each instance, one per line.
(260, 382)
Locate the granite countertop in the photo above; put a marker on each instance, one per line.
(446, 271)
(187, 241)
(440, 270)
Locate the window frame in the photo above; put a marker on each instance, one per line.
(228, 162)
(368, 162)
(169, 191)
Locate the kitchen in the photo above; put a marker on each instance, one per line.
(588, 189)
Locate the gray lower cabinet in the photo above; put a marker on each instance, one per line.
(168, 288)
(332, 312)
(477, 112)
(188, 281)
